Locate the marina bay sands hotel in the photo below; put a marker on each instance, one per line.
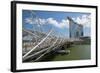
(75, 29)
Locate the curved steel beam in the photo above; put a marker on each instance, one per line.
(38, 44)
(48, 49)
(40, 51)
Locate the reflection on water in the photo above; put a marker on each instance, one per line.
(77, 52)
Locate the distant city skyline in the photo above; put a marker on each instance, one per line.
(56, 20)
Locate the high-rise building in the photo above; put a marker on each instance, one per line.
(75, 29)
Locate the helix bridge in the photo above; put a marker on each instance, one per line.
(37, 42)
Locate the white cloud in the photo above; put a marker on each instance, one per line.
(64, 22)
(28, 20)
(84, 20)
(42, 21)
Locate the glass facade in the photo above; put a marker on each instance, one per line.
(75, 29)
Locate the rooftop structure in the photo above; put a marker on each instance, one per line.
(75, 29)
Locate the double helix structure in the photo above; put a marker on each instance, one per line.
(37, 43)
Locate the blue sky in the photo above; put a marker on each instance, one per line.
(56, 20)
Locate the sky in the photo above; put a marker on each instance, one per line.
(46, 20)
